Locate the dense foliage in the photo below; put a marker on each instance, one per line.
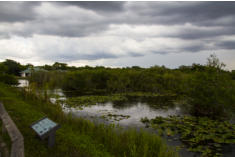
(45, 79)
(119, 80)
(6, 76)
(211, 92)
(13, 67)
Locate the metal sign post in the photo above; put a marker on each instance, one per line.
(46, 128)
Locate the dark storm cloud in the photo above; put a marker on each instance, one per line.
(67, 30)
(188, 21)
(66, 57)
(199, 13)
(194, 48)
(226, 45)
(209, 32)
(186, 48)
(17, 11)
(98, 55)
(103, 6)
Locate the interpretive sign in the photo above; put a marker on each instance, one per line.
(46, 128)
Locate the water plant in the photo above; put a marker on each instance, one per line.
(91, 100)
(198, 134)
(115, 117)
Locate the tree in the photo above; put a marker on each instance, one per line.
(29, 65)
(233, 74)
(48, 67)
(60, 66)
(213, 61)
(3, 68)
(6, 78)
(210, 91)
(13, 68)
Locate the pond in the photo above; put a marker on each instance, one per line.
(126, 114)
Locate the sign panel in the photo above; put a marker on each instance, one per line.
(46, 128)
(43, 126)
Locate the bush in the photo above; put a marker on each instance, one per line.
(211, 92)
(8, 79)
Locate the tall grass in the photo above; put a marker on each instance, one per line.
(77, 137)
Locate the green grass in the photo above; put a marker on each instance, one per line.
(77, 137)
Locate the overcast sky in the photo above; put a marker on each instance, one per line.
(117, 34)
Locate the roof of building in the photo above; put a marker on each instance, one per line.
(30, 70)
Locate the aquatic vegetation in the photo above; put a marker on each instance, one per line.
(198, 134)
(115, 117)
(91, 100)
(149, 94)
(158, 100)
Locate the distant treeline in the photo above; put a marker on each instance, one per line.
(155, 79)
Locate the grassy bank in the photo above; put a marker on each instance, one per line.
(76, 137)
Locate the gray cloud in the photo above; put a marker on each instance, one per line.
(102, 6)
(187, 21)
(72, 56)
(209, 32)
(226, 45)
(74, 23)
(199, 13)
(17, 11)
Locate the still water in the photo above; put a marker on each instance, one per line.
(126, 114)
(23, 83)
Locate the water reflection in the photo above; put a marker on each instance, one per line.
(135, 107)
(23, 83)
(135, 110)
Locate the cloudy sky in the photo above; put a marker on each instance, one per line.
(117, 33)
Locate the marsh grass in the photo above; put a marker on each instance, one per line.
(76, 137)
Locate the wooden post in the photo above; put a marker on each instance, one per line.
(51, 139)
